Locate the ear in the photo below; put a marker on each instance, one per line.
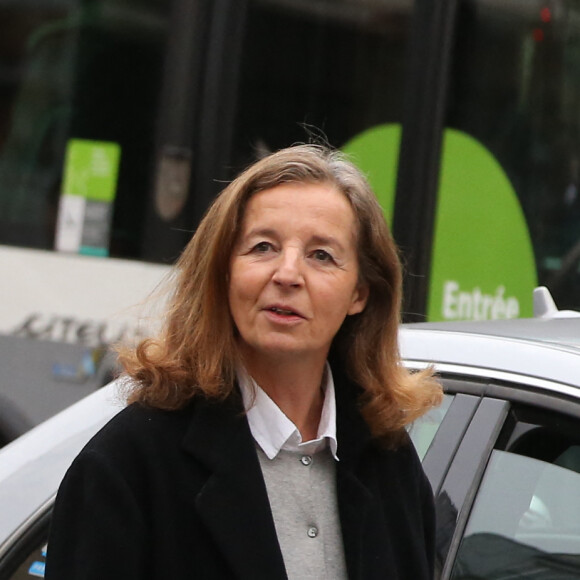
(359, 299)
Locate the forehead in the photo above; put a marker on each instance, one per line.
(296, 203)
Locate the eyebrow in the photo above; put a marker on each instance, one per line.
(316, 239)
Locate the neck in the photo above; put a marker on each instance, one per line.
(296, 387)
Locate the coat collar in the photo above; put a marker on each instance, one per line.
(233, 502)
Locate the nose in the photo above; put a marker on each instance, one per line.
(288, 270)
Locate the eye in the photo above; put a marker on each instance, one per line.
(322, 256)
(262, 247)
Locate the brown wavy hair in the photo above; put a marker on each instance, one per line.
(196, 351)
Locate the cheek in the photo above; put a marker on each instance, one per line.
(248, 277)
(243, 288)
(339, 294)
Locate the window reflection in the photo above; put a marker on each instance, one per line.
(526, 520)
(515, 87)
(423, 430)
(321, 66)
(88, 69)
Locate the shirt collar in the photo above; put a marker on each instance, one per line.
(273, 431)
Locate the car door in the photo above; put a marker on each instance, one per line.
(454, 442)
(507, 482)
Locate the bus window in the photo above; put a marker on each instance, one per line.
(86, 70)
(323, 70)
(278, 72)
(515, 92)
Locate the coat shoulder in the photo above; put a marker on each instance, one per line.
(137, 427)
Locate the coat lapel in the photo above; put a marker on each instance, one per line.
(355, 499)
(233, 503)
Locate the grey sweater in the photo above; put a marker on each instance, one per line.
(302, 494)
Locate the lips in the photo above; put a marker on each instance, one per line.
(283, 310)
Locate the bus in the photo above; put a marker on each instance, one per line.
(120, 121)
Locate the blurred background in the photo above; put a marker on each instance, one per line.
(120, 121)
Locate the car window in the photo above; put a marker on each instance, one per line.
(423, 430)
(33, 566)
(24, 557)
(525, 522)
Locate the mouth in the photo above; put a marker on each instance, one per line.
(283, 311)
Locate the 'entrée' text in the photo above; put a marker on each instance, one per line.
(475, 305)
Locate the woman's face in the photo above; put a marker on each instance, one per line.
(294, 273)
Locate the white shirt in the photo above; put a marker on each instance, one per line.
(273, 431)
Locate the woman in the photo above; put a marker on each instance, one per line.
(266, 432)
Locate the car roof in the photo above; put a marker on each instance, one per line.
(532, 351)
(564, 332)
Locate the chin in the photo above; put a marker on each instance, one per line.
(287, 352)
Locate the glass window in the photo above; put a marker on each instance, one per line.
(86, 70)
(423, 430)
(525, 522)
(319, 65)
(279, 72)
(265, 75)
(25, 556)
(32, 565)
(515, 88)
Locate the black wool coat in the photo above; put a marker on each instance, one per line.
(159, 495)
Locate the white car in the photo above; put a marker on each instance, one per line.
(502, 452)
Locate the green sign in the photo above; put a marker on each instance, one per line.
(91, 169)
(482, 263)
(376, 153)
(88, 192)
